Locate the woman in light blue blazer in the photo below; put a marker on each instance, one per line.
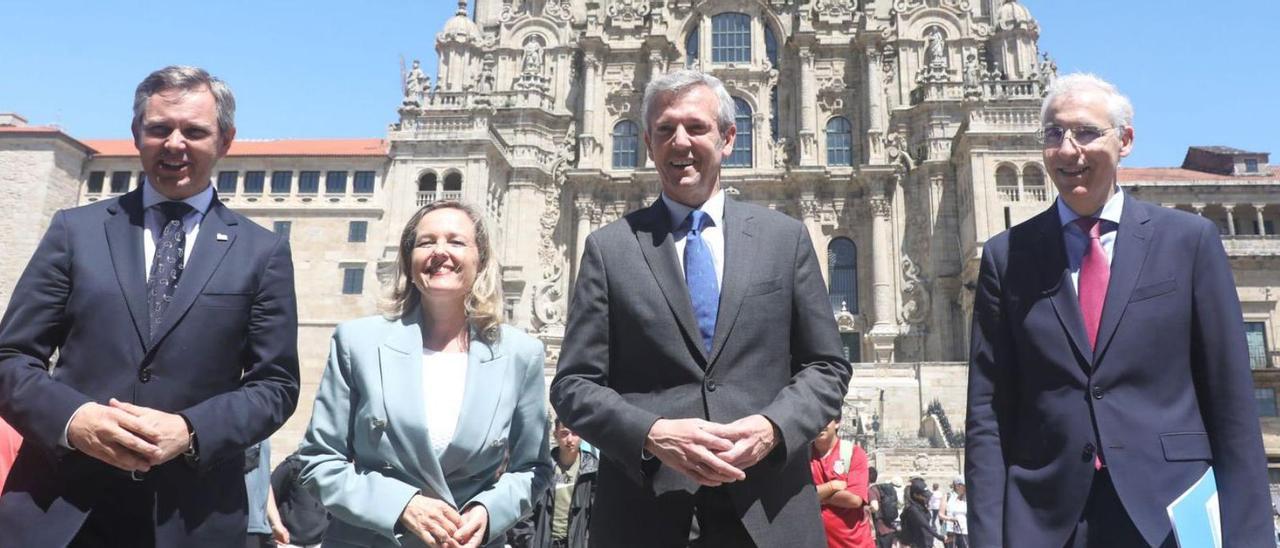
(429, 427)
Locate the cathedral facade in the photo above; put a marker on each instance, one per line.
(901, 132)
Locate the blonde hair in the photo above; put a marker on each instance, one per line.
(483, 304)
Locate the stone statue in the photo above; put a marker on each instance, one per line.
(532, 62)
(415, 84)
(487, 70)
(936, 50)
(972, 74)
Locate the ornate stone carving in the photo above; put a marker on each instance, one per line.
(896, 148)
(484, 79)
(972, 77)
(531, 67)
(835, 12)
(915, 294)
(560, 10)
(889, 63)
(831, 92)
(880, 206)
(622, 95)
(657, 62)
(809, 209)
(782, 152)
(627, 14)
(548, 295)
(904, 7)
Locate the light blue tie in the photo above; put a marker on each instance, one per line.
(700, 276)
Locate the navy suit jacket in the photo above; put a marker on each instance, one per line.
(225, 357)
(1167, 392)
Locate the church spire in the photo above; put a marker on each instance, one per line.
(462, 8)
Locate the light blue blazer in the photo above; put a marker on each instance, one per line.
(366, 452)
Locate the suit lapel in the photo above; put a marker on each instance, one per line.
(1051, 255)
(1133, 239)
(739, 259)
(487, 371)
(124, 240)
(206, 255)
(653, 232)
(400, 363)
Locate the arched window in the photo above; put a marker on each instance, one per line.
(839, 142)
(1007, 182)
(770, 46)
(453, 182)
(741, 155)
(691, 44)
(731, 38)
(842, 266)
(427, 182)
(626, 150)
(1032, 177)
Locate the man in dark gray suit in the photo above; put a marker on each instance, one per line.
(701, 353)
(175, 325)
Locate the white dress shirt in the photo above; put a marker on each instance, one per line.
(1077, 241)
(444, 379)
(153, 222)
(712, 234)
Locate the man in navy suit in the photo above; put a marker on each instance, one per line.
(174, 324)
(1108, 368)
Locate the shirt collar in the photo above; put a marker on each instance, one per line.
(1110, 210)
(200, 202)
(713, 207)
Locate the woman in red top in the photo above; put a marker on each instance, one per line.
(841, 478)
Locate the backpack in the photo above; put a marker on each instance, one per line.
(888, 503)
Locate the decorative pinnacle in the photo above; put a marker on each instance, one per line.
(462, 8)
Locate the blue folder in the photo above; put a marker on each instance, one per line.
(1196, 520)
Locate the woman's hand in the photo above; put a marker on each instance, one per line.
(431, 520)
(475, 523)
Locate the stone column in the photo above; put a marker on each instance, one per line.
(809, 216)
(1262, 225)
(582, 206)
(875, 108)
(1231, 218)
(885, 328)
(808, 133)
(588, 142)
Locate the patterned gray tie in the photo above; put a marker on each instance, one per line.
(166, 264)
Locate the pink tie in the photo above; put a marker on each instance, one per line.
(1095, 274)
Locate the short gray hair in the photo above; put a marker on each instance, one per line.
(187, 78)
(1118, 106)
(680, 81)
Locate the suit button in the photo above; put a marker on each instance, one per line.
(711, 385)
(1097, 393)
(145, 375)
(1089, 449)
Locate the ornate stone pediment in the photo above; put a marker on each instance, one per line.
(627, 14)
(835, 12)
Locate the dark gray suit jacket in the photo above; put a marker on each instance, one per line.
(225, 357)
(633, 354)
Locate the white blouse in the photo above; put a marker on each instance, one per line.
(444, 378)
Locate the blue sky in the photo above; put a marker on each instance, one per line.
(1198, 72)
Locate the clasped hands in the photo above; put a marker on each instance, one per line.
(440, 526)
(711, 453)
(129, 437)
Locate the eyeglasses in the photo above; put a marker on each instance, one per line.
(1053, 136)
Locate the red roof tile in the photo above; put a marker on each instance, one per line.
(283, 147)
(1177, 174)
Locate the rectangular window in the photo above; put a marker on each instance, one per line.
(95, 182)
(1251, 165)
(281, 181)
(731, 38)
(308, 182)
(253, 181)
(357, 231)
(335, 182)
(227, 182)
(120, 181)
(363, 183)
(352, 280)
(283, 228)
(1255, 334)
(1266, 398)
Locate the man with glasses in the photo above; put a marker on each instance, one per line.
(1108, 367)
